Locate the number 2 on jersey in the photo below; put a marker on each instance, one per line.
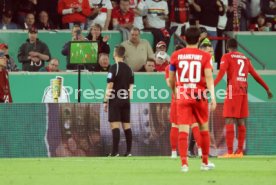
(192, 67)
(241, 63)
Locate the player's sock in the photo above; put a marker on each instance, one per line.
(197, 136)
(230, 137)
(241, 137)
(116, 140)
(174, 138)
(183, 146)
(205, 146)
(128, 134)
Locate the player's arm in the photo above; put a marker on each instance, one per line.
(210, 85)
(222, 70)
(219, 76)
(258, 78)
(109, 87)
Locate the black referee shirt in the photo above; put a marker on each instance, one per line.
(122, 76)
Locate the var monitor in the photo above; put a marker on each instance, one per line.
(83, 52)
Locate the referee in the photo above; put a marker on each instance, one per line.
(120, 80)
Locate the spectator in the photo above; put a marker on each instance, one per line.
(209, 16)
(101, 13)
(123, 18)
(52, 66)
(76, 36)
(139, 9)
(194, 10)
(73, 12)
(137, 50)
(161, 61)
(261, 24)
(51, 9)
(24, 8)
(156, 20)
(5, 92)
(237, 15)
(103, 65)
(268, 7)
(6, 23)
(149, 66)
(161, 46)
(33, 53)
(94, 34)
(29, 22)
(179, 14)
(44, 23)
(11, 65)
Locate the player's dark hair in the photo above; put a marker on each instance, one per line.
(120, 51)
(192, 35)
(232, 44)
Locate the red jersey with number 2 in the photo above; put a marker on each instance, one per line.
(237, 67)
(190, 64)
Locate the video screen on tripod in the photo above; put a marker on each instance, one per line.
(83, 52)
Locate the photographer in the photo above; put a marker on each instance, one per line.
(76, 36)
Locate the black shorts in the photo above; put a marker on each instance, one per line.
(119, 111)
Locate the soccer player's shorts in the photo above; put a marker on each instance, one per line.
(119, 111)
(173, 111)
(236, 107)
(191, 111)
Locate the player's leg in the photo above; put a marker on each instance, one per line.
(241, 137)
(114, 118)
(244, 113)
(173, 140)
(183, 145)
(201, 114)
(125, 115)
(229, 135)
(115, 127)
(197, 137)
(231, 111)
(174, 129)
(184, 119)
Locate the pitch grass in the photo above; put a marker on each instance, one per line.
(258, 170)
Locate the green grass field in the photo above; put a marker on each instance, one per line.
(258, 170)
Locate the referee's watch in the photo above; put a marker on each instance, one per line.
(105, 102)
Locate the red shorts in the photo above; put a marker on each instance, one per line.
(237, 107)
(192, 111)
(173, 111)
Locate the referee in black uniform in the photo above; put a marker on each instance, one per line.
(120, 80)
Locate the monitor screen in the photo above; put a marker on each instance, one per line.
(83, 52)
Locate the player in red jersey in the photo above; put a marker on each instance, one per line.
(5, 93)
(237, 66)
(193, 70)
(174, 127)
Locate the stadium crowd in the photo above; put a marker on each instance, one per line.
(160, 17)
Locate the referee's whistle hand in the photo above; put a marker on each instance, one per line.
(213, 105)
(105, 107)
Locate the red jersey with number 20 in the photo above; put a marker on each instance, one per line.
(237, 67)
(190, 64)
